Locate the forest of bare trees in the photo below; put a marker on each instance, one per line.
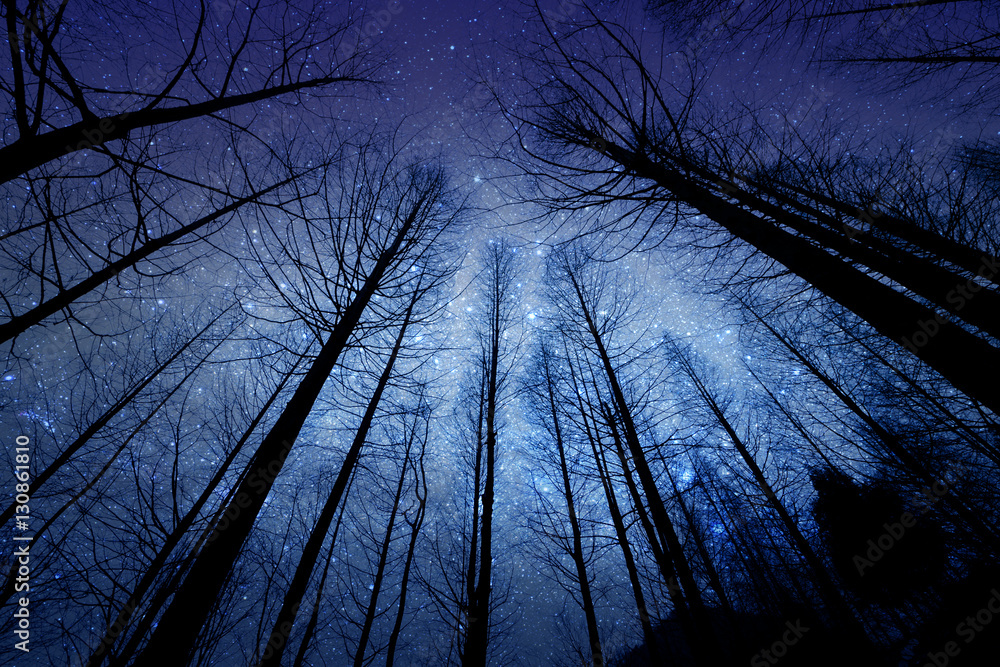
(715, 382)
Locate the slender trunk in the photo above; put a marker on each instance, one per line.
(713, 574)
(703, 647)
(470, 575)
(476, 643)
(793, 420)
(955, 353)
(174, 638)
(166, 589)
(936, 245)
(20, 323)
(8, 589)
(890, 6)
(310, 629)
(935, 60)
(976, 441)
(667, 572)
(892, 444)
(831, 594)
(366, 628)
(587, 600)
(621, 533)
(117, 628)
(310, 553)
(420, 491)
(664, 554)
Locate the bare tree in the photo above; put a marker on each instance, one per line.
(581, 293)
(589, 406)
(416, 437)
(957, 42)
(627, 137)
(466, 589)
(118, 626)
(295, 592)
(398, 219)
(136, 251)
(550, 520)
(838, 607)
(260, 52)
(492, 369)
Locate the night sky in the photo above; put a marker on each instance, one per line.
(436, 57)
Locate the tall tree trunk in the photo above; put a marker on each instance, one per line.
(117, 628)
(621, 533)
(174, 638)
(477, 474)
(20, 323)
(831, 594)
(703, 647)
(310, 553)
(959, 425)
(420, 492)
(793, 420)
(370, 613)
(665, 554)
(8, 589)
(310, 630)
(713, 574)
(892, 444)
(586, 598)
(928, 279)
(477, 640)
(934, 244)
(955, 353)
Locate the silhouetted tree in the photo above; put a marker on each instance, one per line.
(550, 520)
(580, 295)
(492, 369)
(597, 136)
(590, 419)
(215, 66)
(398, 219)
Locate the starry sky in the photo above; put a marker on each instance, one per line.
(437, 55)
(444, 48)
